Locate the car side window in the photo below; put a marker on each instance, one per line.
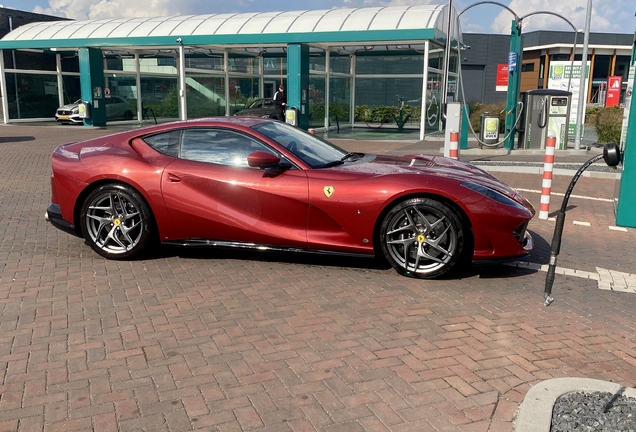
(165, 143)
(219, 146)
(268, 103)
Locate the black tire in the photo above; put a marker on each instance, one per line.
(423, 238)
(116, 222)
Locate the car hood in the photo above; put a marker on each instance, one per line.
(438, 166)
(410, 164)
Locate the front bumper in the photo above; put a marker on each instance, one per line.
(66, 118)
(528, 243)
(54, 216)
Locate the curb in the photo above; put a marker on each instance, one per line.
(535, 412)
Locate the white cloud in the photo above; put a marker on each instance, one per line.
(99, 9)
(606, 17)
(89, 9)
(103, 9)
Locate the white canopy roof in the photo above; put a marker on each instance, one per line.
(141, 31)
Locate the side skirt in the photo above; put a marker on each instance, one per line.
(197, 243)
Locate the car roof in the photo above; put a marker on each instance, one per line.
(221, 121)
(125, 136)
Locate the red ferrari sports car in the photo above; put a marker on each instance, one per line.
(257, 183)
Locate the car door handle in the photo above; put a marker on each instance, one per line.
(173, 178)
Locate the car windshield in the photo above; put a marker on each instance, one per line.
(315, 152)
(256, 104)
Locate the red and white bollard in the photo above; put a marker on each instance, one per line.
(546, 187)
(453, 152)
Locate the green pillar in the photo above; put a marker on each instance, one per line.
(463, 135)
(298, 81)
(626, 205)
(91, 65)
(513, 87)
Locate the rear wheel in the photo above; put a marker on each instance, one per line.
(422, 238)
(116, 222)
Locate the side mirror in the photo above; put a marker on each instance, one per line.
(265, 160)
(611, 154)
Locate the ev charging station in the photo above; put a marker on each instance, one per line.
(546, 112)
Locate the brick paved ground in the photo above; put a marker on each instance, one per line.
(242, 341)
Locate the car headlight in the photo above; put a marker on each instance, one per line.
(493, 194)
(75, 111)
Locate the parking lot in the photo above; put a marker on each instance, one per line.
(215, 340)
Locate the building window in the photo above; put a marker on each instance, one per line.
(527, 67)
(561, 57)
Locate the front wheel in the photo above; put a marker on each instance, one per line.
(422, 238)
(116, 222)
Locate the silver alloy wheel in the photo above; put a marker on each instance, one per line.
(114, 222)
(421, 239)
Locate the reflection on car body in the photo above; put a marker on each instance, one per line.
(117, 108)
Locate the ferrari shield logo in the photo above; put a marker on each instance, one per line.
(328, 190)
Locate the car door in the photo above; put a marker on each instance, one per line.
(213, 194)
(342, 213)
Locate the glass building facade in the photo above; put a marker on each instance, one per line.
(366, 67)
(366, 89)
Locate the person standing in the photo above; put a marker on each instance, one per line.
(280, 101)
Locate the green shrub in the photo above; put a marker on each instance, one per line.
(590, 114)
(383, 114)
(609, 122)
(316, 113)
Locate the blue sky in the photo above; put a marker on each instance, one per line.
(615, 16)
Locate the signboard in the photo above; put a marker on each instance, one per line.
(613, 96)
(491, 127)
(291, 116)
(502, 77)
(512, 61)
(560, 75)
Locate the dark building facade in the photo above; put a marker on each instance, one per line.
(12, 18)
(609, 55)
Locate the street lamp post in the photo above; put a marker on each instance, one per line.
(449, 38)
(580, 114)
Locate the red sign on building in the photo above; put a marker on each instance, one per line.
(614, 84)
(502, 77)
